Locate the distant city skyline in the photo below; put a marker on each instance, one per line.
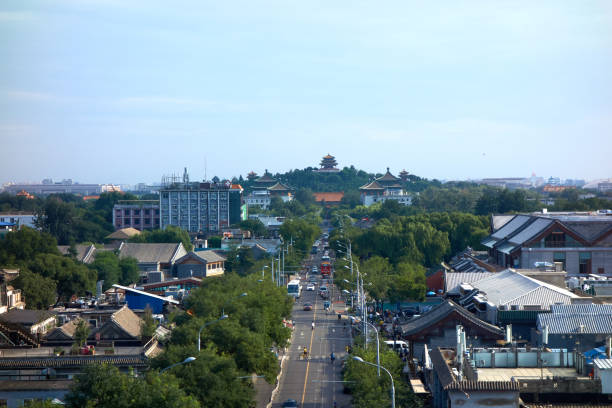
(209, 176)
(108, 91)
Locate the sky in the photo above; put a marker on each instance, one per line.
(115, 91)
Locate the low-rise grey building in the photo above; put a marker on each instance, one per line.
(580, 243)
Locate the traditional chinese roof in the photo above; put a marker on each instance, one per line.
(202, 256)
(150, 253)
(328, 162)
(84, 253)
(512, 288)
(66, 331)
(17, 363)
(123, 233)
(388, 177)
(26, 317)
(332, 197)
(372, 186)
(444, 311)
(278, 187)
(404, 174)
(266, 178)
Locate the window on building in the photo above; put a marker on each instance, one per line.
(136, 212)
(137, 221)
(147, 212)
(584, 262)
(555, 240)
(559, 257)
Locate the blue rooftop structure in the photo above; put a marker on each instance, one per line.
(139, 300)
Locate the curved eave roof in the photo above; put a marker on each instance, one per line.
(278, 187)
(372, 186)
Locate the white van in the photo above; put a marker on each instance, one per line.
(399, 345)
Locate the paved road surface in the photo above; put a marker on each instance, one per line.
(315, 383)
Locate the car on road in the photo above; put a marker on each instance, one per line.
(310, 286)
(290, 403)
(323, 292)
(307, 306)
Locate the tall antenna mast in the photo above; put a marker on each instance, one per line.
(205, 169)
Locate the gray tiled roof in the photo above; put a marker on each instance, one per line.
(26, 317)
(440, 312)
(454, 279)
(72, 361)
(206, 256)
(509, 287)
(580, 308)
(149, 253)
(589, 323)
(128, 321)
(499, 221)
(535, 228)
(511, 227)
(542, 296)
(589, 230)
(84, 253)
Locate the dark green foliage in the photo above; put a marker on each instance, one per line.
(302, 232)
(107, 267)
(239, 260)
(255, 226)
(170, 234)
(214, 242)
(37, 256)
(237, 346)
(9, 202)
(501, 201)
(81, 333)
(129, 271)
(103, 386)
(369, 390)
(148, 324)
(23, 245)
(39, 292)
(72, 278)
(212, 378)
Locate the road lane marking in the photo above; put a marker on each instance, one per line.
(309, 348)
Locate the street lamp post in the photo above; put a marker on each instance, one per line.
(361, 360)
(186, 361)
(377, 348)
(223, 317)
(262, 271)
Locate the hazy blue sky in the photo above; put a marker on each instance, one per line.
(124, 91)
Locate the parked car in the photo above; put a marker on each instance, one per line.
(397, 345)
(290, 403)
(307, 306)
